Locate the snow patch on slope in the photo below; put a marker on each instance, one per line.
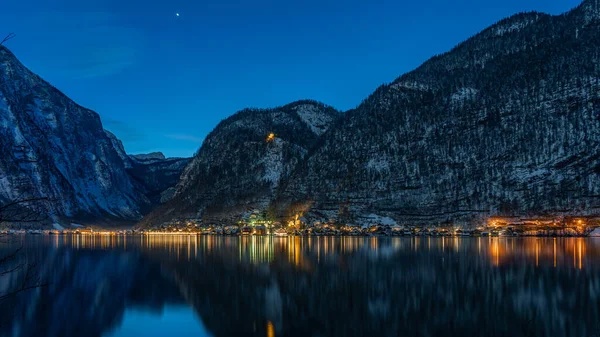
(379, 164)
(378, 219)
(410, 85)
(273, 162)
(312, 116)
(463, 95)
(524, 175)
(58, 227)
(6, 189)
(511, 27)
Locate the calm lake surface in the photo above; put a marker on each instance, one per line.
(321, 286)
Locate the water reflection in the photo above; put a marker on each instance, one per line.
(151, 324)
(317, 286)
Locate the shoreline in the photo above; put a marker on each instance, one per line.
(184, 234)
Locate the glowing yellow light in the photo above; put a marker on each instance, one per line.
(270, 137)
(270, 329)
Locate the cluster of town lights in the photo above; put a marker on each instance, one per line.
(259, 225)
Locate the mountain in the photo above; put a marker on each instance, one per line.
(148, 157)
(153, 173)
(505, 124)
(157, 174)
(53, 148)
(243, 160)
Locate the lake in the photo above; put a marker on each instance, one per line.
(311, 286)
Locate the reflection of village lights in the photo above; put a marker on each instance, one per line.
(579, 250)
(537, 253)
(270, 329)
(496, 252)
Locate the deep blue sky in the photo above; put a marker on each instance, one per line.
(162, 83)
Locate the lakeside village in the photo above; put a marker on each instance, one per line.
(258, 224)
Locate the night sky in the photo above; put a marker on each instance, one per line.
(162, 82)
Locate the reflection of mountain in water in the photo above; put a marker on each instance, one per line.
(88, 293)
(384, 290)
(322, 286)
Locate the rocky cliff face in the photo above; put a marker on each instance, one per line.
(157, 175)
(507, 123)
(54, 148)
(153, 174)
(243, 161)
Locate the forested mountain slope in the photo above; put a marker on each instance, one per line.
(242, 162)
(507, 123)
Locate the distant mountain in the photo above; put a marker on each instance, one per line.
(242, 162)
(149, 157)
(54, 148)
(157, 174)
(507, 123)
(153, 173)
